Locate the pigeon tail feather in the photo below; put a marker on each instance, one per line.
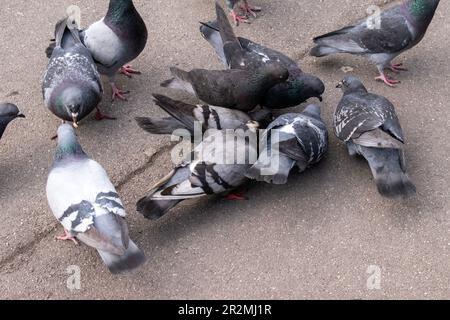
(131, 259)
(386, 166)
(322, 51)
(155, 209)
(159, 125)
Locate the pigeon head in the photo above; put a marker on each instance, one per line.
(351, 84)
(67, 143)
(252, 125)
(312, 87)
(75, 103)
(313, 110)
(8, 112)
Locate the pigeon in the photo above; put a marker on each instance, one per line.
(186, 116)
(115, 40)
(71, 87)
(216, 166)
(248, 10)
(85, 202)
(8, 112)
(400, 28)
(369, 126)
(293, 139)
(233, 89)
(240, 53)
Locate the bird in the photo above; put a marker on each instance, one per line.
(8, 112)
(85, 202)
(240, 53)
(369, 126)
(71, 85)
(216, 166)
(293, 139)
(116, 40)
(248, 10)
(184, 116)
(400, 28)
(233, 89)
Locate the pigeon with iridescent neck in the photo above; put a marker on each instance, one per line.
(381, 40)
(71, 86)
(116, 40)
(240, 53)
(8, 112)
(85, 202)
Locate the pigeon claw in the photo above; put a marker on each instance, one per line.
(250, 10)
(390, 82)
(397, 68)
(116, 92)
(236, 196)
(67, 236)
(99, 116)
(129, 71)
(238, 19)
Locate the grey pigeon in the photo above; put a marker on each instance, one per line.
(369, 126)
(85, 202)
(216, 166)
(115, 40)
(240, 53)
(71, 86)
(8, 112)
(293, 139)
(234, 89)
(248, 10)
(185, 116)
(401, 28)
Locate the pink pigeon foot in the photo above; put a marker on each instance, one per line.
(250, 10)
(99, 116)
(236, 196)
(116, 92)
(67, 236)
(128, 71)
(386, 80)
(238, 19)
(397, 68)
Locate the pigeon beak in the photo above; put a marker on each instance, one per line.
(339, 85)
(74, 118)
(20, 115)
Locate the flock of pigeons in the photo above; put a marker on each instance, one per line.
(256, 80)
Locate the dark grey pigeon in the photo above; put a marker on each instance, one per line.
(401, 28)
(71, 86)
(216, 166)
(234, 89)
(293, 139)
(115, 41)
(85, 202)
(8, 112)
(186, 116)
(369, 126)
(240, 53)
(248, 10)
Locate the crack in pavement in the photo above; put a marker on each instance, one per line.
(29, 246)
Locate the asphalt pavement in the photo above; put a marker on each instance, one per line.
(325, 234)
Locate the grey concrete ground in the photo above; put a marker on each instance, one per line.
(312, 238)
